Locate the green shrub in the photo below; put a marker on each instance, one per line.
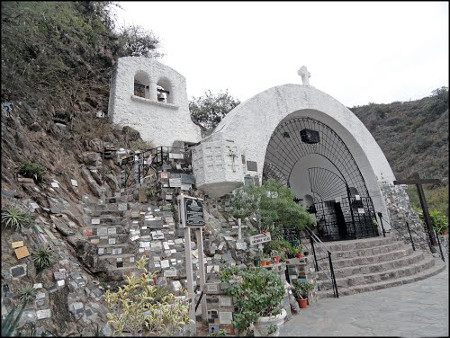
(257, 293)
(27, 293)
(15, 218)
(301, 288)
(43, 258)
(32, 170)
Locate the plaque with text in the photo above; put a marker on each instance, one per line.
(193, 209)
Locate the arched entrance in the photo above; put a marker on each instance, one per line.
(309, 156)
(270, 123)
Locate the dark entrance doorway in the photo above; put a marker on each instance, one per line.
(302, 149)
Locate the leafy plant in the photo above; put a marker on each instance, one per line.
(220, 333)
(32, 170)
(282, 246)
(257, 292)
(27, 293)
(141, 307)
(301, 288)
(272, 206)
(43, 257)
(272, 329)
(15, 218)
(9, 324)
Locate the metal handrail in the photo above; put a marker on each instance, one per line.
(424, 239)
(320, 245)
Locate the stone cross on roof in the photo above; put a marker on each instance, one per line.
(303, 72)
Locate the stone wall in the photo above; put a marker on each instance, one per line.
(400, 212)
(159, 122)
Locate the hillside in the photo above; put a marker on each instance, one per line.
(414, 137)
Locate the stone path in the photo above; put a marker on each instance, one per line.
(418, 309)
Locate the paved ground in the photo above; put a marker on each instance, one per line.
(418, 309)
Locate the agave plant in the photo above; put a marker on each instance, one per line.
(15, 218)
(43, 257)
(9, 324)
(27, 293)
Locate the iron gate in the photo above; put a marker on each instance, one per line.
(346, 218)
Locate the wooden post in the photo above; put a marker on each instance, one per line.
(188, 254)
(423, 202)
(201, 264)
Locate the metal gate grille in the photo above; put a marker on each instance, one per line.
(296, 138)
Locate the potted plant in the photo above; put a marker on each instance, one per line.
(257, 295)
(300, 289)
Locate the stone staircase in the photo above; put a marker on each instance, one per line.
(374, 263)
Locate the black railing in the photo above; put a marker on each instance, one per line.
(320, 253)
(418, 235)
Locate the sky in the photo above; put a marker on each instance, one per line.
(357, 52)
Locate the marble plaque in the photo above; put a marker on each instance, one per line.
(42, 314)
(225, 317)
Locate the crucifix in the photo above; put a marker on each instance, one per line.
(419, 182)
(305, 75)
(233, 156)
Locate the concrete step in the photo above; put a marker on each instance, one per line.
(380, 276)
(368, 251)
(426, 273)
(354, 261)
(359, 243)
(364, 268)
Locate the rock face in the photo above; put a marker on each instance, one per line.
(400, 212)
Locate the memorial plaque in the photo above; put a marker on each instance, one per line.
(74, 183)
(22, 252)
(18, 270)
(40, 295)
(225, 301)
(59, 275)
(95, 221)
(175, 182)
(17, 244)
(122, 206)
(55, 184)
(111, 231)
(186, 187)
(42, 314)
(225, 317)
(193, 209)
(170, 272)
(101, 251)
(165, 264)
(261, 238)
(361, 211)
(111, 241)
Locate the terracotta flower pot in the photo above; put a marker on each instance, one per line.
(303, 303)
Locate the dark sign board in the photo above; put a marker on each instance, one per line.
(193, 209)
(309, 136)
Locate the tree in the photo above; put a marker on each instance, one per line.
(273, 207)
(207, 111)
(134, 40)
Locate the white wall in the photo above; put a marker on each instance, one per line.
(158, 122)
(252, 123)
